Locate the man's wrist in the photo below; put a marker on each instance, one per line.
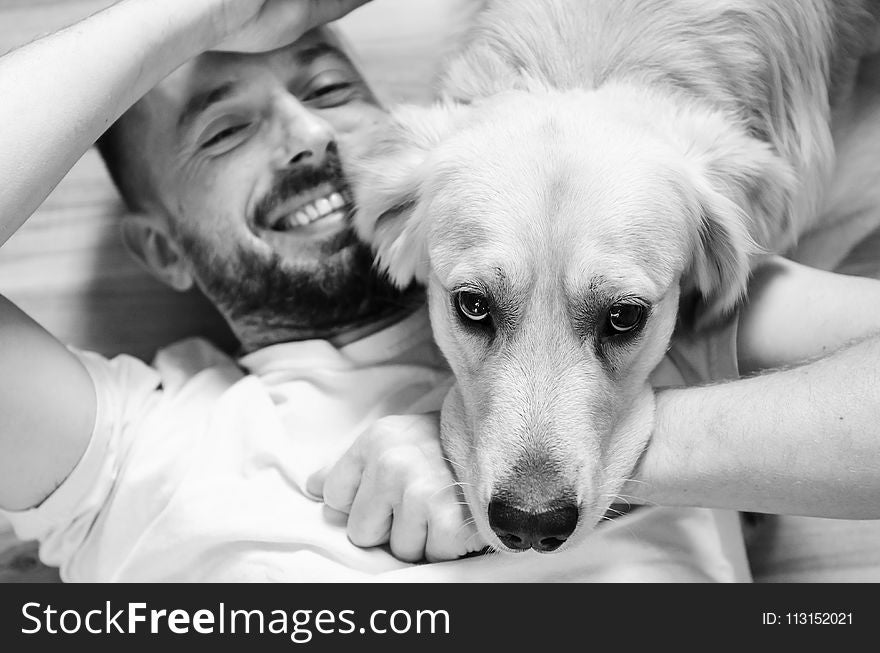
(221, 19)
(182, 30)
(660, 466)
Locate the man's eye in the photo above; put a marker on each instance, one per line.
(331, 95)
(222, 135)
(472, 306)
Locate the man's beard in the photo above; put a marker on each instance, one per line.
(273, 299)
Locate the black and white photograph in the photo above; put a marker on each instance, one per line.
(436, 292)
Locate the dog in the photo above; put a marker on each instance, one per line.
(590, 167)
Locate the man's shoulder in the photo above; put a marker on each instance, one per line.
(173, 367)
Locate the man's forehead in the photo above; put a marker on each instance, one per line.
(214, 70)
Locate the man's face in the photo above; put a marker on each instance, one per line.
(245, 154)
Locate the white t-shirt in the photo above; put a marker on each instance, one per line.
(197, 467)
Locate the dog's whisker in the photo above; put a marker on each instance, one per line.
(615, 498)
(466, 524)
(631, 504)
(460, 529)
(467, 543)
(634, 480)
(444, 488)
(636, 501)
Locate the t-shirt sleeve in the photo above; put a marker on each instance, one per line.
(698, 357)
(124, 386)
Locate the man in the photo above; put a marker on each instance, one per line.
(237, 186)
(199, 468)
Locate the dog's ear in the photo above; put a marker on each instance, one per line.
(719, 269)
(389, 179)
(743, 194)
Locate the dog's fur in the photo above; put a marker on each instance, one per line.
(588, 152)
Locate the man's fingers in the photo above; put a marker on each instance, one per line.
(380, 490)
(452, 534)
(343, 480)
(451, 529)
(315, 482)
(263, 26)
(369, 522)
(324, 11)
(409, 530)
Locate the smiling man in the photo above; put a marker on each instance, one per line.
(232, 167)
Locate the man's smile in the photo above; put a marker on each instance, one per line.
(325, 202)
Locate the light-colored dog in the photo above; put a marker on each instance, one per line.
(592, 164)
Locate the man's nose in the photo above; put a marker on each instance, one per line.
(305, 136)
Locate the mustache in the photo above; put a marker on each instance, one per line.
(291, 182)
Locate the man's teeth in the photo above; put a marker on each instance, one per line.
(311, 212)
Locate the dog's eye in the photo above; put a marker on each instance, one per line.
(624, 317)
(472, 305)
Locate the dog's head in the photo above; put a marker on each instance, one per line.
(555, 233)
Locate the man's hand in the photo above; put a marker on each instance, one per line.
(397, 487)
(262, 25)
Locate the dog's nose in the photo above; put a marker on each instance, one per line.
(543, 531)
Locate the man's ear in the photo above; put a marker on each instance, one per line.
(389, 181)
(147, 238)
(743, 194)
